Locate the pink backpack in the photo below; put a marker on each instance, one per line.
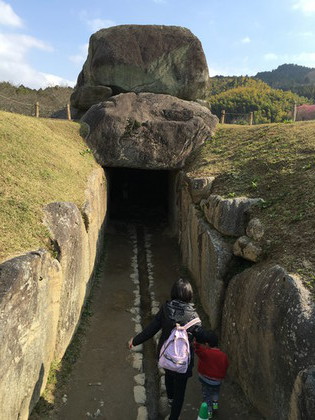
(175, 352)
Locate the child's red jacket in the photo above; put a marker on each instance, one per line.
(212, 362)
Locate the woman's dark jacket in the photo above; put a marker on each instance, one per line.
(171, 313)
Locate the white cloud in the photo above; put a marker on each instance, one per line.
(8, 16)
(13, 47)
(307, 34)
(306, 6)
(97, 24)
(246, 40)
(13, 62)
(81, 56)
(23, 74)
(270, 57)
(53, 80)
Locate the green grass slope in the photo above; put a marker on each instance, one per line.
(41, 161)
(277, 163)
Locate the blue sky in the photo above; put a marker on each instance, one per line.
(44, 42)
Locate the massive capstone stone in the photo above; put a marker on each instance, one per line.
(147, 131)
(142, 58)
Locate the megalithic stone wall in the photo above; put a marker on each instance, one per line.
(67, 229)
(41, 298)
(29, 309)
(269, 332)
(206, 253)
(265, 317)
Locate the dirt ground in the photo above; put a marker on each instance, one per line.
(102, 382)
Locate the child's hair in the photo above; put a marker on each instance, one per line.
(209, 337)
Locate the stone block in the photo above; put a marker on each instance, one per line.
(269, 333)
(248, 249)
(228, 215)
(68, 233)
(255, 229)
(200, 187)
(30, 287)
(84, 97)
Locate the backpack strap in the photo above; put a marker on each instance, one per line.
(191, 323)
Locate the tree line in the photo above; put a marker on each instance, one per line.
(240, 95)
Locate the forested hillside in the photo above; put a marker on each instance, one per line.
(298, 79)
(239, 96)
(219, 84)
(21, 100)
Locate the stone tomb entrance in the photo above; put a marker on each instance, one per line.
(140, 195)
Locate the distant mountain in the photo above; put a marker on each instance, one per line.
(298, 79)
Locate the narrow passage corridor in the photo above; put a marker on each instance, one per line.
(140, 266)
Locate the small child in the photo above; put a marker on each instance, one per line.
(212, 367)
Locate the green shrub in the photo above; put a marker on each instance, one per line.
(269, 105)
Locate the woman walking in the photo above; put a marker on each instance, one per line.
(179, 310)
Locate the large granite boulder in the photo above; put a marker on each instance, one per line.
(269, 333)
(143, 58)
(29, 309)
(147, 131)
(67, 229)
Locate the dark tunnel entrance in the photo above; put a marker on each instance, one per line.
(139, 195)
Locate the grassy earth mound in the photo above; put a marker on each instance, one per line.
(41, 161)
(275, 162)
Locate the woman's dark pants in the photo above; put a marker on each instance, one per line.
(175, 384)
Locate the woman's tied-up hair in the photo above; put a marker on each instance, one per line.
(182, 290)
